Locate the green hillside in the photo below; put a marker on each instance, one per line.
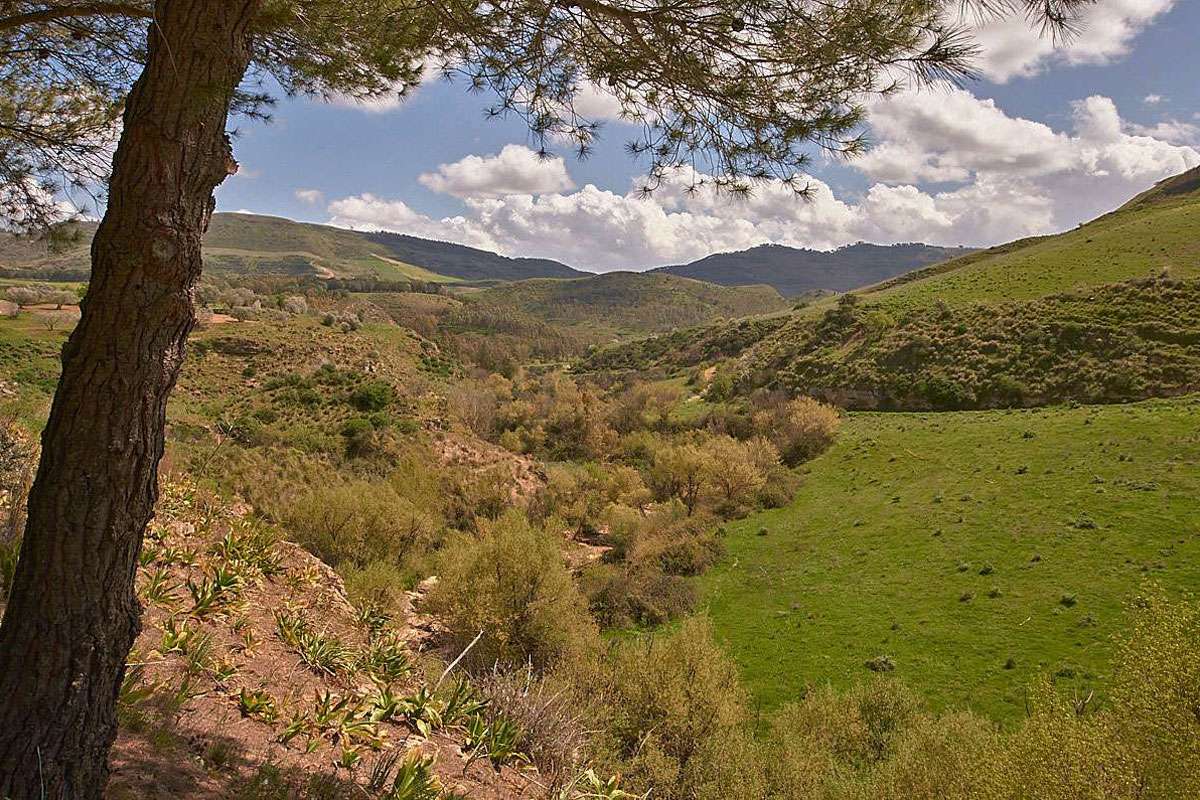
(623, 303)
(955, 542)
(1100, 314)
(256, 245)
(1116, 343)
(1152, 234)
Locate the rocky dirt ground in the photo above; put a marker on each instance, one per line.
(254, 676)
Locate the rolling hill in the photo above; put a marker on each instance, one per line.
(628, 303)
(1101, 313)
(795, 271)
(1154, 233)
(252, 244)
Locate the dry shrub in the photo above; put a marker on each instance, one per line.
(360, 522)
(510, 583)
(801, 429)
(477, 404)
(678, 719)
(551, 719)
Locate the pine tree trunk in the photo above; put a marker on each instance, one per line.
(72, 615)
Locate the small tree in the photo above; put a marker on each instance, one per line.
(683, 472)
(26, 295)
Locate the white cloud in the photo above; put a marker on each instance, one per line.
(1013, 48)
(368, 212)
(1172, 130)
(1153, 99)
(954, 137)
(1003, 178)
(944, 135)
(514, 170)
(594, 104)
(311, 196)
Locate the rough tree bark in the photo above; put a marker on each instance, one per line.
(73, 615)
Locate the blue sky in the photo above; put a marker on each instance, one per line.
(1053, 136)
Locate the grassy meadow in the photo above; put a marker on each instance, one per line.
(974, 549)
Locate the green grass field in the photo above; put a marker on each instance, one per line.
(904, 530)
(393, 269)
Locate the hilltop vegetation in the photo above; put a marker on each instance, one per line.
(1150, 236)
(794, 271)
(1106, 344)
(1103, 313)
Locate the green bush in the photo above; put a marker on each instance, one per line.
(359, 523)
(800, 429)
(677, 715)
(373, 395)
(510, 584)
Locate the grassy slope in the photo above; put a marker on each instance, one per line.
(1133, 242)
(630, 303)
(257, 245)
(865, 560)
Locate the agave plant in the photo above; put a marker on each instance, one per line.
(386, 659)
(175, 637)
(159, 588)
(423, 711)
(214, 593)
(257, 703)
(413, 779)
(461, 704)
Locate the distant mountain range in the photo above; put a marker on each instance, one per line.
(253, 244)
(793, 271)
(470, 263)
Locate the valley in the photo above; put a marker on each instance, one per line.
(986, 516)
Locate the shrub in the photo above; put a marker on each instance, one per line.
(621, 595)
(678, 717)
(373, 395)
(739, 470)
(802, 429)
(683, 472)
(380, 584)
(511, 584)
(360, 437)
(553, 725)
(360, 522)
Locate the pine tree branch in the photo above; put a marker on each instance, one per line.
(75, 12)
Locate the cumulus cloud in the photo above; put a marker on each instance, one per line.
(311, 196)
(949, 169)
(951, 136)
(514, 170)
(1011, 48)
(1171, 130)
(1153, 99)
(368, 212)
